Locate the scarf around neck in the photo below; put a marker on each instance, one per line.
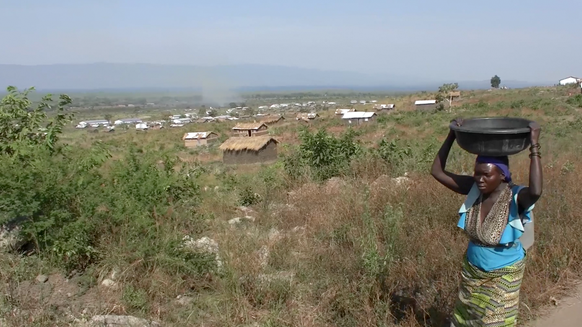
(489, 231)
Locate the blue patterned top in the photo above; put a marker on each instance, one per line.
(510, 249)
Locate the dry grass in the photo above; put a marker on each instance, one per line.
(359, 250)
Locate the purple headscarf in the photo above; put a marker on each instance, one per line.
(501, 162)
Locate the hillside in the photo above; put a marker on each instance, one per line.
(348, 229)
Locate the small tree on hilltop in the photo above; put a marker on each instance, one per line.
(495, 82)
(446, 92)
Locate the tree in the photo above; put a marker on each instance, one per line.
(202, 112)
(232, 105)
(108, 117)
(20, 123)
(495, 82)
(446, 92)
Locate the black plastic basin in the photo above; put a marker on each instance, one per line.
(493, 136)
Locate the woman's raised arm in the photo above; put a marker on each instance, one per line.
(528, 196)
(458, 183)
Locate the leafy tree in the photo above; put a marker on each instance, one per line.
(495, 81)
(445, 92)
(232, 105)
(20, 123)
(108, 117)
(202, 112)
(250, 111)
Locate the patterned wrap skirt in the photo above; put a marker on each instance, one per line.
(488, 298)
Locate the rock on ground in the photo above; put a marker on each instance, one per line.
(109, 283)
(204, 244)
(238, 220)
(184, 300)
(286, 276)
(263, 254)
(121, 321)
(10, 238)
(42, 278)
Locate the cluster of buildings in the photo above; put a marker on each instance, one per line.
(137, 122)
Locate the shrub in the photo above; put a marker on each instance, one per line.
(323, 154)
(575, 100)
(73, 209)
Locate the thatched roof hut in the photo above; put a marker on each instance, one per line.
(246, 150)
(272, 119)
(250, 129)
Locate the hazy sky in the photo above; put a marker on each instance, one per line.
(531, 40)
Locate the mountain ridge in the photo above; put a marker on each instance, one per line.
(239, 78)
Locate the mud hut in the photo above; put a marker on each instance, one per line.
(454, 94)
(250, 129)
(249, 150)
(195, 139)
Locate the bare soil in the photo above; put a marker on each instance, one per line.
(567, 313)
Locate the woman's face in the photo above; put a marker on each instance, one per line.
(488, 177)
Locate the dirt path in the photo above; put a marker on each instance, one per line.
(568, 313)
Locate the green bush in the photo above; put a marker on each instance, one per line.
(575, 101)
(77, 204)
(323, 154)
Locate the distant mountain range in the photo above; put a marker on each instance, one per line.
(211, 79)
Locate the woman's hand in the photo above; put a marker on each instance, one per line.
(535, 132)
(458, 121)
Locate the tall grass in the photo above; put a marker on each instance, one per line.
(336, 240)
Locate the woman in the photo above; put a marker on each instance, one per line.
(492, 216)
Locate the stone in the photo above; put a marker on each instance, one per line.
(204, 244)
(121, 321)
(264, 256)
(109, 283)
(245, 210)
(184, 300)
(42, 279)
(402, 180)
(238, 220)
(10, 238)
(286, 276)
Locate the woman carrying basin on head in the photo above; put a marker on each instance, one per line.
(493, 217)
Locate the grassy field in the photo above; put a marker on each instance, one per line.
(335, 238)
